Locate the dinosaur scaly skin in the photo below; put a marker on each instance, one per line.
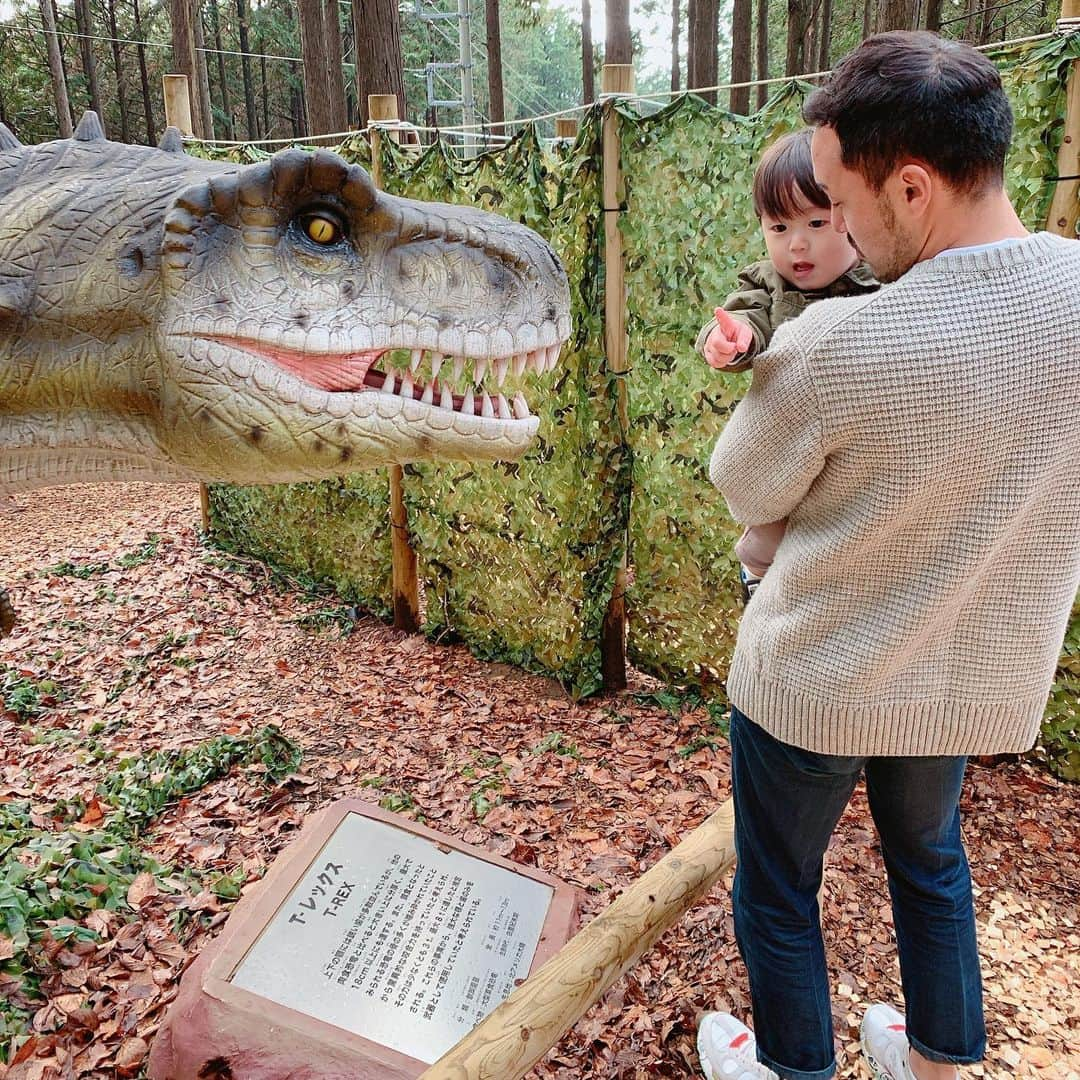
(168, 318)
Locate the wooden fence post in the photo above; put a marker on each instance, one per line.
(177, 103)
(177, 95)
(384, 107)
(1062, 218)
(566, 127)
(536, 1015)
(615, 79)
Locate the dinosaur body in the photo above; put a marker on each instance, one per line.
(168, 318)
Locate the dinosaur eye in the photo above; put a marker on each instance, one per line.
(322, 228)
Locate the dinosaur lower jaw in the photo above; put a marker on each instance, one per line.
(360, 371)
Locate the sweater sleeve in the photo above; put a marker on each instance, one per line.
(771, 450)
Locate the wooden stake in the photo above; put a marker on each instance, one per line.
(615, 79)
(384, 107)
(177, 103)
(534, 1017)
(1062, 218)
(566, 127)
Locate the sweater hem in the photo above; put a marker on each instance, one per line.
(929, 727)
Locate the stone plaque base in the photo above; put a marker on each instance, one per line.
(372, 946)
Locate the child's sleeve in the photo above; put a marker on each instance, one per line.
(750, 303)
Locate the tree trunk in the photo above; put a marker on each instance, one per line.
(810, 41)
(56, 70)
(896, 15)
(316, 78)
(204, 75)
(702, 59)
(245, 69)
(675, 65)
(144, 78)
(183, 57)
(741, 72)
(618, 48)
(762, 51)
(84, 22)
(933, 15)
(588, 80)
(496, 106)
(798, 19)
(825, 37)
(226, 103)
(377, 29)
(339, 118)
(296, 102)
(265, 93)
(118, 67)
(866, 18)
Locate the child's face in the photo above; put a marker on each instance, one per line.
(806, 250)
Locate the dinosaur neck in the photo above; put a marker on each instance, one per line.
(87, 416)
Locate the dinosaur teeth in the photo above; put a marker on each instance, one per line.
(504, 408)
(428, 396)
(519, 363)
(521, 407)
(553, 352)
(416, 358)
(459, 368)
(501, 367)
(388, 383)
(479, 371)
(407, 386)
(446, 400)
(467, 403)
(436, 364)
(485, 407)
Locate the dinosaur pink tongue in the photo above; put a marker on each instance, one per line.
(335, 372)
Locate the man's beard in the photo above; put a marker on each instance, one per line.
(903, 252)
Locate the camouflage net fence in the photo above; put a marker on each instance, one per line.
(518, 560)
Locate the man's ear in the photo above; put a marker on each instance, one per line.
(916, 186)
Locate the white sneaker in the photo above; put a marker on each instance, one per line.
(883, 1035)
(726, 1049)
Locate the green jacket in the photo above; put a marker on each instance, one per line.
(764, 300)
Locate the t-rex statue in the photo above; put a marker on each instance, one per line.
(164, 318)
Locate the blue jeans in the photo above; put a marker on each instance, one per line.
(787, 803)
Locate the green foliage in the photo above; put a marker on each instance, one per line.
(556, 743)
(49, 872)
(142, 554)
(24, 695)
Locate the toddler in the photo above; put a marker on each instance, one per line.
(808, 260)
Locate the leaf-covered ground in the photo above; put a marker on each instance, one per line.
(136, 639)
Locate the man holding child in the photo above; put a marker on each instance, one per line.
(915, 452)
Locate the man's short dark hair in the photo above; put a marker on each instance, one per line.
(915, 96)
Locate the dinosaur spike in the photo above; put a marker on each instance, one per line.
(7, 139)
(172, 142)
(89, 129)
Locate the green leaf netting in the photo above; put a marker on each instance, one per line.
(335, 532)
(518, 558)
(688, 228)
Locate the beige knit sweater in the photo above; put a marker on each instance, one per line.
(924, 443)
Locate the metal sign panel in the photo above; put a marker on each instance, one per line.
(398, 939)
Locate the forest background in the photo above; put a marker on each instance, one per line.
(271, 69)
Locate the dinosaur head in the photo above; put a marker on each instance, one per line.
(310, 325)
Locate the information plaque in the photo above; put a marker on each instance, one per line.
(398, 938)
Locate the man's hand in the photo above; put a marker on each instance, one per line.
(726, 340)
